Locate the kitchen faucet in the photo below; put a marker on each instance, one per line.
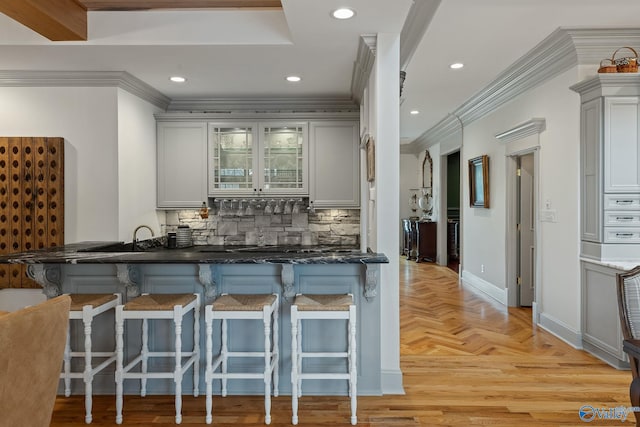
(135, 240)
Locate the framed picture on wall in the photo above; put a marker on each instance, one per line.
(479, 182)
(371, 160)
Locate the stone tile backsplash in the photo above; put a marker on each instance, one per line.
(323, 227)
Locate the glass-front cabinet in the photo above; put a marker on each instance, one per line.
(258, 158)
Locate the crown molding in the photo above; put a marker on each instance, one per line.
(119, 79)
(255, 115)
(362, 67)
(444, 129)
(551, 57)
(528, 128)
(593, 45)
(273, 105)
(562, 49)
(418, 19)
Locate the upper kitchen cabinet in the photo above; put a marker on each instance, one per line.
(265, 158)
(182, 164)
(335, 164)
(610, 167)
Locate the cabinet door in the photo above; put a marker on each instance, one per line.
(283, 158)
(182, 162)
(621, 151)
(335, 164)
(232, 159)
(590, 169)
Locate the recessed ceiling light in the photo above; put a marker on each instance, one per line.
(177, 79)
(414, 112)
(456, 65)
(293, 79)
(343, 13)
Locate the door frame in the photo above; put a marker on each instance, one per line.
(511, 231)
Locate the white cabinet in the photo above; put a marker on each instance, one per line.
(258, 158)
(621, 150)
(335, 164)
(610, 167)
(600, 324)
(181, 164)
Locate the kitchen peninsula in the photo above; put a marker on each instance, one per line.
(104, 267)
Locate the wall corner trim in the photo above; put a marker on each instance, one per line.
(391, 381)
(528, 128)
(119, 79)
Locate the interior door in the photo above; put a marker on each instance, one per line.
(526, 229)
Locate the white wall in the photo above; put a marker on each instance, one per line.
(137, 167)
(87, 119)
(484, 231)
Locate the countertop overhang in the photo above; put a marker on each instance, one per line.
(90, 253)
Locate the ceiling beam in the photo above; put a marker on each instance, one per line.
(56, 20)
(96, 5)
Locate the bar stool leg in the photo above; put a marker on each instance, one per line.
(119, 367)
(67, 364)
(209, 349)
(294, 365)
(299, 357)
(196, 348)
(145, 357)
(88, 368)
(224, 351)
(266, 318)
(177, 373)
(276, 350)
(353, 375)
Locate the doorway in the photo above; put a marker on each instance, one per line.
(453, 210)
(525, 229)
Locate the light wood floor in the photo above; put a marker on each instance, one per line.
(466, 361)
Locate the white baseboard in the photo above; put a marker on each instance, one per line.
(487, 288)
(561, 330)
(392, 382)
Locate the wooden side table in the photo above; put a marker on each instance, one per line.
(426, 236)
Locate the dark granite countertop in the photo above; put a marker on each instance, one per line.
(152, 252)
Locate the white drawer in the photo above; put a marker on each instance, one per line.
(621, 235)
(622, 218)
(622, 201)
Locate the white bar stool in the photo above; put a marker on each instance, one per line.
(86, 307)
(158, 306)
(234, 307)
(322, 307)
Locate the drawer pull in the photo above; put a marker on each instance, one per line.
(624, 202)
(624, 218)
(624, 235)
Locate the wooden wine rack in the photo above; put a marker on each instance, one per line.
(31, 201)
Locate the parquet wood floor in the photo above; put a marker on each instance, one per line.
(467, 361)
